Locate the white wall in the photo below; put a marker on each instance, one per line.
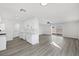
(57, 28)
(70, 29)
(30, 30)
(11, 27)
(47, 29)
(10, 22)
(78, 29)
(44, 29)
(8, 25)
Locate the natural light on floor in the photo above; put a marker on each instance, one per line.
(57, 41)
(56, 45)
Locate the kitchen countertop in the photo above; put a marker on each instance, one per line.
(2, 33)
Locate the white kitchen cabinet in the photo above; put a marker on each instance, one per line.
(2, 42)
(22, 35)
(31, 30)
(32, 38)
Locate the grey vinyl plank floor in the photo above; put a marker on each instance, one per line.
(49, 46)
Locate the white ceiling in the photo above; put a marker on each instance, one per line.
(54, 12)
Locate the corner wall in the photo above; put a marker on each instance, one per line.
(71, 29)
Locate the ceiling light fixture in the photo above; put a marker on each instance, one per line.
(43, 4)
(22, 10)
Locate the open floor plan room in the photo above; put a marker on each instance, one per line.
(38, 29)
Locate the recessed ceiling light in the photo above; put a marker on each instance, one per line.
(43, 4)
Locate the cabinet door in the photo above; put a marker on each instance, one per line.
(35, 39)
(22, 35)
(2, 42)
